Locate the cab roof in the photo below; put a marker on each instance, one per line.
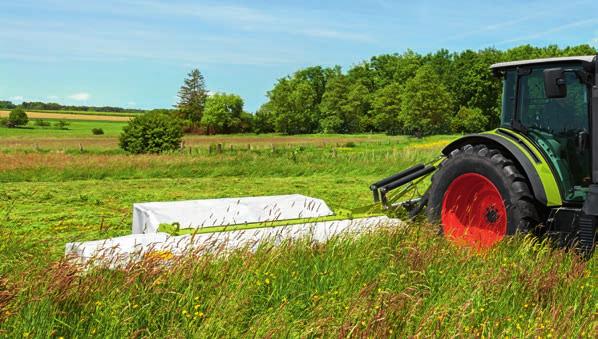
(587, 60)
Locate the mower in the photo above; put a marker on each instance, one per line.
(537, 173)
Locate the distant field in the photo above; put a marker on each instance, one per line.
(95, 116)
(76, 129)
(116, 114)
(79, 134)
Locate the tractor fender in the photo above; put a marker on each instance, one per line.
(543, 183)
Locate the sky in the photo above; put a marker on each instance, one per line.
(136, 53)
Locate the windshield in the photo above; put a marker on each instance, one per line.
(558, 126)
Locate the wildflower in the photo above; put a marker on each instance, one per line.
(525, 306)
(135, 306)
(482, 310)
(267, 281)
(196, 298)
(199, 314)
(98, 303)
(25, 334)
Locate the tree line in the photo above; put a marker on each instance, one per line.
(53, 106)
(408, 93)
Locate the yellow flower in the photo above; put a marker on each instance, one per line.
(196, 298)
(267, 281)
(135, 306)
(98, 303)
(25, 334)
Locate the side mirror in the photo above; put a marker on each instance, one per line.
(555, 85)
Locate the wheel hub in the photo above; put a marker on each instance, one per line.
(473, 211)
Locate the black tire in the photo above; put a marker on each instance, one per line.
(521, 209)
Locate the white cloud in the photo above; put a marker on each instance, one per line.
(16, 98)
(82, 96)
(52, 97)
(538, 34)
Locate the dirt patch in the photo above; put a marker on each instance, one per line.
(63, 116)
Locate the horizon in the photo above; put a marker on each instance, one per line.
(135, 54)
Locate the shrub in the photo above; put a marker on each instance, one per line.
(4, 122)
(350, 144)
(469, 120)
(152, 133)
(17, 117)
(41, 123)
(61, 124)
(97, 131)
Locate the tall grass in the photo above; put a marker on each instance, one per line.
(395, 282)
(400, 282)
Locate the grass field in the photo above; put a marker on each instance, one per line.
(71, 116)
(389, 283)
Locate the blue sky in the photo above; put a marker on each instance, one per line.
(135, 53)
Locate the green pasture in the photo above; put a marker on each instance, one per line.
(76, 128)
(400, 282)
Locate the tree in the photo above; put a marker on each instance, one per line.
(343, 105)
(295, 100)
(223, 113)
(192, 97)
(469, 120)
(263, 120)
(425, 104)
(17, 117)
(386, 108)
(152, 133)
(4, 104)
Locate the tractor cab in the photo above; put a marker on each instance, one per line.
(548, 101)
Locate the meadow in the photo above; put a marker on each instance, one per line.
(60, 186)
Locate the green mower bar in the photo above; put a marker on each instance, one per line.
(537, 173)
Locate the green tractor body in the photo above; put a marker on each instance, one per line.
(538, 172)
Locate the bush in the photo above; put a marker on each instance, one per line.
(17, 117)
(469, 120)
(152, 133)
(4, 122)
(61, 124)
(97, 131)
(41, 123)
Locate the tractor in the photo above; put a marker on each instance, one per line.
(536, 173)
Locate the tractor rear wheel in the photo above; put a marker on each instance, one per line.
(480, 196)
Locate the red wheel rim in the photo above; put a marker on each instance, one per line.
(473, 211)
